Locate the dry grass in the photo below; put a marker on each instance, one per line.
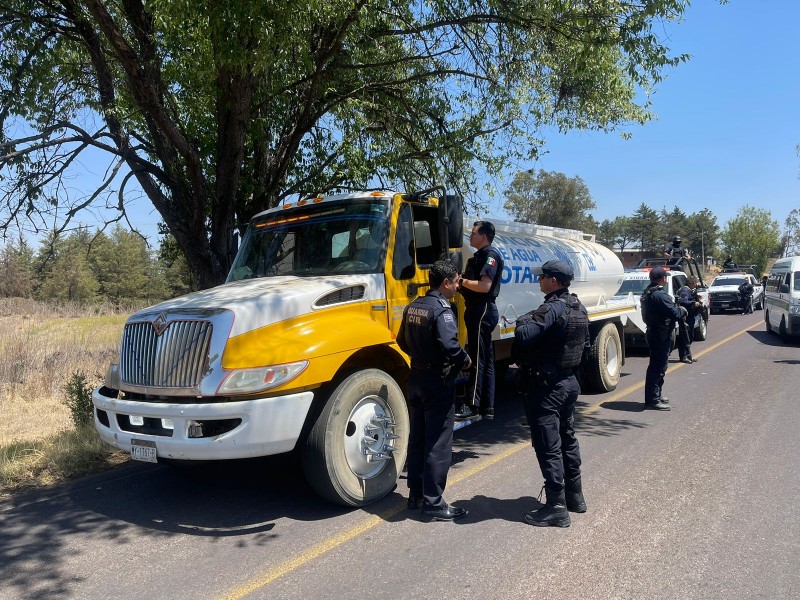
(41, 346)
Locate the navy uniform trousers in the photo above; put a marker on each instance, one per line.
(659, 344)
(480, 320)
(431, 407)
(551, 415)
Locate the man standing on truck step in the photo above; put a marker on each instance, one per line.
(660, 313)
(429, 335)
(548, 346)
(688, 299)
(480, 285)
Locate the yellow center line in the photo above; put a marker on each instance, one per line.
(398, 506)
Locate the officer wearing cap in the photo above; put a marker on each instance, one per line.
(660, 313)
(480, 286)
(428, 334)
(548, 346)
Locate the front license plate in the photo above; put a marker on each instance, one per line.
(144, 450)
(724, 305)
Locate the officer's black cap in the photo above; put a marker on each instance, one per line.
(657, 273)
(558, 269)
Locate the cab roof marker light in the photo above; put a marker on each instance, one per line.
(318, 199)
(287, 205)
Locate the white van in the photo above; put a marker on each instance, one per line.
(782, 298)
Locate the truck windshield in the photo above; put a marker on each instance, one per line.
(636, 286)
(324, 239)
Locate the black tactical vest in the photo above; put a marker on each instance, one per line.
(567, 336)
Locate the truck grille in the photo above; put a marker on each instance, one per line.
(176, 358)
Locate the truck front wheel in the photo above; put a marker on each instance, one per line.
(604, 364)
(357, 446)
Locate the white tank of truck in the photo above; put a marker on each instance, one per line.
(297, 349)
(598, 275)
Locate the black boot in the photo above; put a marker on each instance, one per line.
(552, 514)
(573, 493)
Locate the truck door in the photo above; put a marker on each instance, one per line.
(412, 249)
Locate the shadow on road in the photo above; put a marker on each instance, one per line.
(43, 533)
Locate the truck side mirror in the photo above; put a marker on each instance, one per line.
(451, 220)
(455, 257)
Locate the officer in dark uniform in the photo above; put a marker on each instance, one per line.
(688, 299)
(660, 314)
(428, 334)
(548, 346)
(675, 250)
(480, 285)
(746, 297)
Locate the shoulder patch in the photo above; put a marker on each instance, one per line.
(444, 303)
(491, 261)
(448, 316)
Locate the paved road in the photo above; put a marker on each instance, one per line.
(700, 502)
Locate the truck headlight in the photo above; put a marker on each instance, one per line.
(794, 309)
(249, 381)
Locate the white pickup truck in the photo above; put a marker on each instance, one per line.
(724, 292)
(634, 283)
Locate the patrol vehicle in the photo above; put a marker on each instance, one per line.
(634, 283)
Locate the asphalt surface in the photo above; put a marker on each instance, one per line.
(699, 502)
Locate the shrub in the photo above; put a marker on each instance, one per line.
(79, 398)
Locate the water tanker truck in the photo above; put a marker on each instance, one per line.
(296, 351)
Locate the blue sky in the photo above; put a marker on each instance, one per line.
(727, 126)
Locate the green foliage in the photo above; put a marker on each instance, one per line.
(16, 271)
(85, 267)
(79, 398)
(791, 236)
(550, 198)
(220, 110)
(752, 237)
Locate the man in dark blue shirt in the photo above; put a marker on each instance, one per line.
(687, 298)
(660, 314)
(480, 285)
(429, 335)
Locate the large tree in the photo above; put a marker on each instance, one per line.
(216, 110)
(550, 198)
(752, 237)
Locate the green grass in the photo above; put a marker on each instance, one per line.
(68, 454)
(42, 347)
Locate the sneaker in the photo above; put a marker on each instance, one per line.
(465, 412)
(488, 413)
(657, 406)
(548, 516)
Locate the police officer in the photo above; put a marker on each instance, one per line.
(480, 285)
(428, 334)
(687, 298)
(660, 314)
(548, 346)
(746, 297)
